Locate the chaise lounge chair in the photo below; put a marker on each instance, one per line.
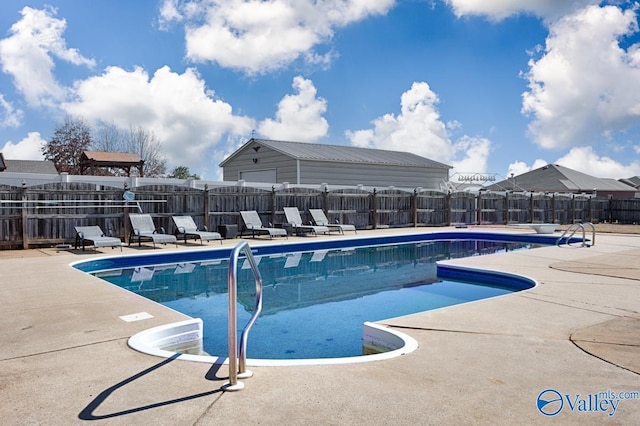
(187, 228)
(95, 235)
(293, 217)
(142, 227)
(253, 223)
(319, 218)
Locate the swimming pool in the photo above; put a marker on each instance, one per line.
(348, 277)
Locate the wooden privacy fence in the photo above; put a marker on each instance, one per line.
(47, 214)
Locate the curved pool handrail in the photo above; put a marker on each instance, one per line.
(571, 230)
(238, 360)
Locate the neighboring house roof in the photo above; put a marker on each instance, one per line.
(339, 153)
(553, 177)
(633, 181)
(43, 167)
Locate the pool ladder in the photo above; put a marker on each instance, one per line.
(238, 359)
(571, 230)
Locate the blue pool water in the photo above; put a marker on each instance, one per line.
(316, 298)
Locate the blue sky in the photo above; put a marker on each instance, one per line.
(490, 87)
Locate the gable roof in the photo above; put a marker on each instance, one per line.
(339, 153)
(111, 157)
(633, 181)
(43, 167)
(553, 177)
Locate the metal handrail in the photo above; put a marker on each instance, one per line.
(238, 360)
(573, 229)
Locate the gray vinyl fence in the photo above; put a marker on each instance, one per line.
(46, 214)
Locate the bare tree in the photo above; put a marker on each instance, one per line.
(144, 143)
(69, 140)
(108, 137)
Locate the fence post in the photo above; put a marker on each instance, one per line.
(125, 215)
(414, 208)
(478, 208)
(572, 205)
(325, 203)
(553, 208)
(505, 214)
(374, 210)
(447, 202)
(25, 222)
(273, 204)
(205, 204)
(531, 208)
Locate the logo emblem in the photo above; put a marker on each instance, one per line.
(550, 402)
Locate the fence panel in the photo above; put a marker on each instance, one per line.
(463, 207)
(626, 211)
(302, 198)
(393, 208)
(491, 208)
(519, 208)
(349, 206)
(432, 208)
(50, 211)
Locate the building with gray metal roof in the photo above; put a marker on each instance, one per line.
(27, 166)
(263, 160)
(556, 178)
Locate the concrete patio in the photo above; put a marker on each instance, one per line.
(64, 357)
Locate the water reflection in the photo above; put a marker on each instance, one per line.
(294, 280)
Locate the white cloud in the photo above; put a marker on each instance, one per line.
(585, 87)
(28, 55)
(262, 36)
(419, 129)
(9, 116)
(519, 167)
(181, 112)
(475, 155)
(29, 148)
(586, 160)
(500, 9)
(299, 116)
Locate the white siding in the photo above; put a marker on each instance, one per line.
(250, 161)
(266, 159)
(313, 172)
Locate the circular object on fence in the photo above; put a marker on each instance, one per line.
(128, 196)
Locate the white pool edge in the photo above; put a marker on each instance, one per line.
(151, 341)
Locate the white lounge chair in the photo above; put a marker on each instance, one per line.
(253, 223)
(187, 228)
(293, 217)
(142, 227)
(95, 235)
(319, 218)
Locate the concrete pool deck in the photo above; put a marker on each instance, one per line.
(64, 357)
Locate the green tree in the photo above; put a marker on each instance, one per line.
(182, 172)
(69, 140)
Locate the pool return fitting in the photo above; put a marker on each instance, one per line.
(238, 359)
